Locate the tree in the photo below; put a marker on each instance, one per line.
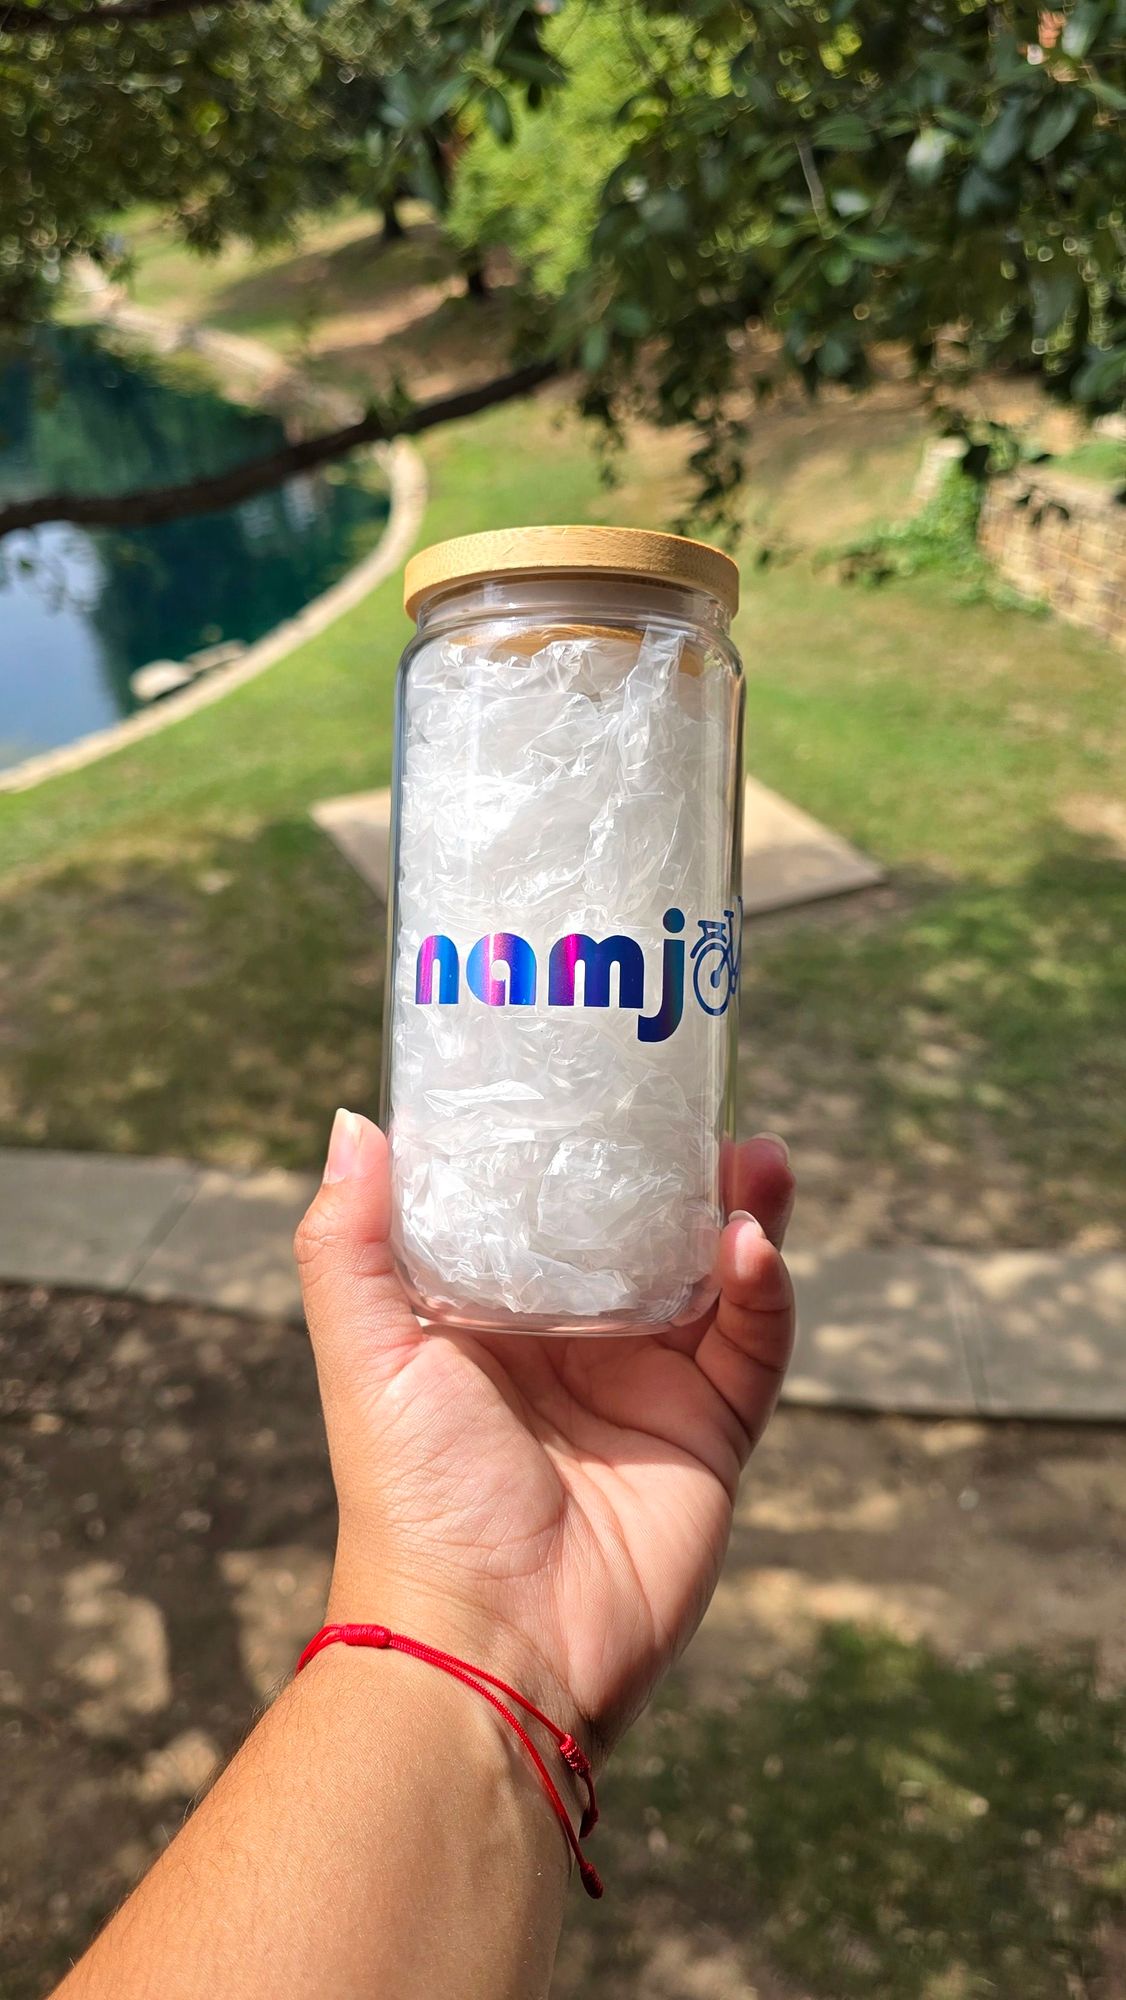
(512, 192)
(210, 115)
(400, 99)
(777, 186)
(941, 175)
(235, 115)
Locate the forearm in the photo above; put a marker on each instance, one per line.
(378, 1832)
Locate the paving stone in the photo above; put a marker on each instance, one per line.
(1001, 1334)
(788, 858)
(359, 824)
(233, 1245)
(1050, 1332)
(881, 1330)
(82, 1218)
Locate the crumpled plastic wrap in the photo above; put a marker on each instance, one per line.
(547, 1163)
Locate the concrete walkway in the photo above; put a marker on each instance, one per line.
(1002, 1334)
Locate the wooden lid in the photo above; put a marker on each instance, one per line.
(633, 552)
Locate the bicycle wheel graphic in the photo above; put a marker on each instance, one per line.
(714, 993)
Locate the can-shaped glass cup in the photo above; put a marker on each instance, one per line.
(565, 931)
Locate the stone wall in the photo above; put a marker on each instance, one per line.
(1062, 540)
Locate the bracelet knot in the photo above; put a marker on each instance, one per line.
(484, 1683)
(573, 1754)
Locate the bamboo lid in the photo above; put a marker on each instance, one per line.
(632, 552)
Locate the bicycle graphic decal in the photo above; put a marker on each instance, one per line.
(717, 957)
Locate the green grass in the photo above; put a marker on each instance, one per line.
(938, 540)
(191, 967)
(337, 264)
(974, 1036)
(1098, 458)
(889, 1827)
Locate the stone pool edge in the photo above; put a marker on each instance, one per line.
(406, 478)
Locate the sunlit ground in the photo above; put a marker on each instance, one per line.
(890, 1767)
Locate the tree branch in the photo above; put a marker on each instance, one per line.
(55, 21)
(151, 505)
(815, 185)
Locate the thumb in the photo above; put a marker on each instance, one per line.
(353, 1299)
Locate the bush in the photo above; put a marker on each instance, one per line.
(537, 194)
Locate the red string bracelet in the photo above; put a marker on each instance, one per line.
(482, 1682)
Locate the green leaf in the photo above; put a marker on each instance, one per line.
(1106, 93)
(440, 99)
(849, 202)
(1002, 140)
(1055, 289)
(533, 66)
(425, 181)
(844, 131)
(1055, 121)
(776, 159)
(958, 122)
(949, 65)
(400, 103)
(838, 266)
(595, 348)
(205, 117)
(979, 194)
(884, 246)
(667, 213)
(1081, 27)
(926, 154)
(1102, 376)
(631, 318)
(835, 356)
(499, 115)
(715, 175)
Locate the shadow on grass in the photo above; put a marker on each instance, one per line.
(455, 341)
(217, 1001)
(970, 1043)
(892, 1827)
(365, 270)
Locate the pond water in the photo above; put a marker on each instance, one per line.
(81, 611)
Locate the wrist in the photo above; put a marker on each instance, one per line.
(476, 1634)
(439, 1759)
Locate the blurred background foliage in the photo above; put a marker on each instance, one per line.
(696, 201)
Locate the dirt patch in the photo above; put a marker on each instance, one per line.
(169, 1520)
(978, 1538)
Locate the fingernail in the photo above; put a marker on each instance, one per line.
(343, 1147)
(745, 1251)
(777, 1145)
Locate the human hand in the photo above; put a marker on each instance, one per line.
(555, 1509)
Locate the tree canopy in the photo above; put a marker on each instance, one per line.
(697, 199)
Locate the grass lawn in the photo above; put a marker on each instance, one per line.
(190, 968)
(270, 293)
(353, 309)
(885, 1824)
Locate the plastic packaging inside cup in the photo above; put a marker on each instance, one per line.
(546, 1160)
